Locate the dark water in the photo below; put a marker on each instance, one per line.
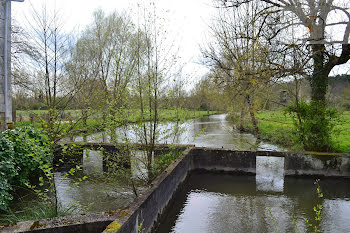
(219, 203)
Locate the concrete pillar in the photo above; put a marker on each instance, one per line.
(283, 97)
(2, 80)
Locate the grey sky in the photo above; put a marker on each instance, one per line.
(186, 20)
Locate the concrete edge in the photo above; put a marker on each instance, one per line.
(85, 222)
(94, 222)
(117, 226)
(111, 221)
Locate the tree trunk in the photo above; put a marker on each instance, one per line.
(319, 135)
(241, 127)
(84, 115)
(319, 78)
(300, 122)
(150, 163)
(252, 116)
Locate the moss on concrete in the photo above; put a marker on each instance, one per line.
(113, 227)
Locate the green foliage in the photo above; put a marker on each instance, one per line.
(342, 136)
(203, 107)
(95, 123)
(314, 125)
(317, 210)
(8, 171)
(164, 160)
(26, 212)
(233, 117)
(274, 126)
(24, 154)
(311, 226)
(278, 127)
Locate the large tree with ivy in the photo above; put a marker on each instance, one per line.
(313, 24)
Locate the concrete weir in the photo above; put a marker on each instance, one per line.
(146, 210)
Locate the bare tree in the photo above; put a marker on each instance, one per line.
(156, 63)
(42, 66)
(106, 53)
(314, 23)
(238, 55)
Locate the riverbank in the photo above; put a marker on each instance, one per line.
(95, 123)
(278, 128)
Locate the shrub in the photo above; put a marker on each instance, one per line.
(314, 125)
(7, 171)
(164, 160)
(24, 154)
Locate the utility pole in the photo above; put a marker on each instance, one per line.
(5, 63)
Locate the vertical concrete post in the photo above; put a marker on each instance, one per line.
(283, 97)
(2, 53)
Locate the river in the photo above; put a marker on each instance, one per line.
(98, 194)
(210, 131)
(219, 203)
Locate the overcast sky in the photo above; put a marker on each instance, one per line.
(187, 21)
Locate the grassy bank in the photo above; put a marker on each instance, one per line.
(277, 127)
(27, 212)
(95, 122)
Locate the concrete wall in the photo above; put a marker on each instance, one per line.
(223, 160)
(92, 222)
(152, 203)
(316, 165)
(220, 160)
(145, 211)
(113, 155)
(2, 32)
(295, 164)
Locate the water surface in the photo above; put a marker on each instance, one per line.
(218, 203)
(209, 131)
(97, 193)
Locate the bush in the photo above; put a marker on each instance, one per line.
(7, 171)
(164, 160)
(24, 154)
(315, 125)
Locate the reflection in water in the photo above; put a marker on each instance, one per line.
(92, 162)
(269, 173)
(94, 194)
(211, 131)
(98, 192)
(338, 218)
(226, 203)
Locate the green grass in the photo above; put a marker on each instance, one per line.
(134, 115)
(28, 206)
(277, 127)
(127, 116)
(26, 113)
(342, 133)
(33, 210)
